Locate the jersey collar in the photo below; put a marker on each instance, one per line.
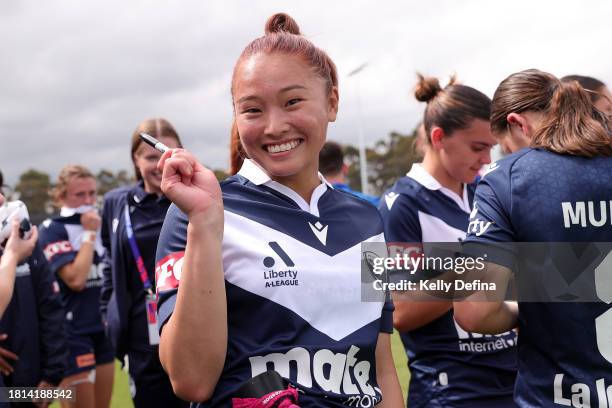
(139, 195)
(138, 192)
(422, 176)
(258, 176)
(69, 212)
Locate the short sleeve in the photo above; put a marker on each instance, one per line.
(401, 224)
(490, 228)
(400, 218)
(169, 262)
(56, 245)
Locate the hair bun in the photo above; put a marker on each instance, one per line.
(282, 22)
(427, 88)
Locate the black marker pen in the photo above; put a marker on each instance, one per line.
(153, 142)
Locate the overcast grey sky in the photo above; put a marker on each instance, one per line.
(76, 77)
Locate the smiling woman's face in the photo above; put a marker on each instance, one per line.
(145, 159)
(282, 110)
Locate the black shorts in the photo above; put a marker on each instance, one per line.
(87, 351)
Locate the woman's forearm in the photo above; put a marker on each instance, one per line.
(386, 375)
(486, 317)
(76, 273)
(411, 315)
(8, 266)
(194, 341)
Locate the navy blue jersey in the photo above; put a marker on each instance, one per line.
(565, 349)
(123, 297)
(34, 322)
(449, 367)
(60, 239)
(292, 272)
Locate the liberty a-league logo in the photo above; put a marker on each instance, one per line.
(285, 276)
(477, 226)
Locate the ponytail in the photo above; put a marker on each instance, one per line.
(571, 124)
(451, 108)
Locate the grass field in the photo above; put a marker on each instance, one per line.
(401, 362)
(121, 391)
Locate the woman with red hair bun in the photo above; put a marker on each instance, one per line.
(263, 273)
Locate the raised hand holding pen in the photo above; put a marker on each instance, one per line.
(192, 187)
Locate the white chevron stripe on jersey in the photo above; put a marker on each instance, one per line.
(323, 290)
(435, 229)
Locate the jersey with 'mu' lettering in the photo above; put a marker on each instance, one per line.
(60, 238)
(293, 281)
(449, 367)
(565, 349)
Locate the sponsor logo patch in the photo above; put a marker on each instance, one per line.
(168, 271)
(57, 248)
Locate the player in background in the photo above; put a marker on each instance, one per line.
(558, 190)
(264, 272)
(449, 367)
(33, 349)
(127, 302)
(13, 252)
(598, 93)
(335, 170)
(73, 247)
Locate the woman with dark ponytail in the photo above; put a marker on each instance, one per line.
(558, 190)
(263, 273)
(448, 366)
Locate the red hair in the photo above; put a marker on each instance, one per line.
(282, 36)
(237, 153)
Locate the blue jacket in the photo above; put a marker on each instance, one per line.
(369, 198)
(123, 296)
(34, 322)
(114, 301)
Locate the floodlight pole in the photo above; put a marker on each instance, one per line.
(362, 153)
